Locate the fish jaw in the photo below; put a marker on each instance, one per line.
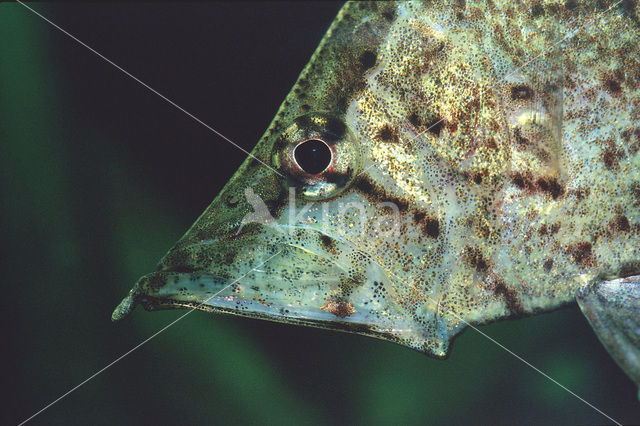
(294, 282)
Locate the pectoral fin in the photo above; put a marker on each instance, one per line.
(613, 310)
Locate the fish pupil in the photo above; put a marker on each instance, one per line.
(313, 156)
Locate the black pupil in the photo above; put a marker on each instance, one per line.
(313, 156)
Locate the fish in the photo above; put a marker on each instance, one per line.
(436, 166)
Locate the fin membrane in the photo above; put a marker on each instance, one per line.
(613, 310)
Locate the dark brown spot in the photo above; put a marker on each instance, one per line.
(339, 178)
(430, 226)
(435, 126)
(304, 121)
(548, 264)
(304, 83)
(521, 92)
(620, 223)
(555, 228)
(389, 15)
(611, 157)
(367, 59)
(547, 185)
(521, 181)
(336, 128)
(580, 253)
(543, 229)
(612, 86)
(366, 187)
(415, 120)
(386, 133)
(473, 257)
(550, 186)
(328, 243)
(510, 297)
(372, 191)
(339, 308)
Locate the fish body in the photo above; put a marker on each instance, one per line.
(436, 165)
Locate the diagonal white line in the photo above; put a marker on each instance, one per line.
(566, 37)
(523, 360)
(150, 88)
(142, 343)
(248, 153)
(539, 371)
(510, 74)
(519, 68)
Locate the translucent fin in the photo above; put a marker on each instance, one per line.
(613, 310)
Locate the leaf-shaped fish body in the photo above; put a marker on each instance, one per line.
(437, 164)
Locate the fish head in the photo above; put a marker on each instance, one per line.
(366, 194)
(289, 239)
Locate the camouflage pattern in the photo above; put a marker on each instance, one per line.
(484, 166)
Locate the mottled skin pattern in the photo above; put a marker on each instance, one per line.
(507, 135)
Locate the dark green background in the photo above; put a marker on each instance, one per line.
(99, 177)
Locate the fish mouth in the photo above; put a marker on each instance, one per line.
(286, 283)
(166, 290)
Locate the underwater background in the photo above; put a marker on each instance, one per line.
(99, 177)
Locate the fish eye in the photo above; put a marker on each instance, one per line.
(318, 156)
(313, 156)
